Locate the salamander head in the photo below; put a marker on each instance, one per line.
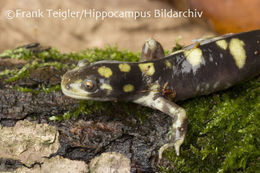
(102, 81)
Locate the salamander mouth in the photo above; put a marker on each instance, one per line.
(81, 95)
(72, 91)
(72, 94)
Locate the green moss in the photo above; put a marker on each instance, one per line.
(71, 114)
(95, 107)
(51, 89)
(23, 72)
(25, 89)
(7, 72)
(177, 46)
(109, 53)
(19, 53)
(223, 132)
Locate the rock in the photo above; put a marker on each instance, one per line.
(28, 142)
(110, 162)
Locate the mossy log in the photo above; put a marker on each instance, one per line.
(30, 89)
(223, 131)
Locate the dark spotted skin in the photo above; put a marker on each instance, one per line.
(223, 69)
(199, 69)
(184, 78)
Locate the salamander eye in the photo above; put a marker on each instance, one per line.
(89, 85)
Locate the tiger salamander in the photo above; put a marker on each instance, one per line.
(158, 82)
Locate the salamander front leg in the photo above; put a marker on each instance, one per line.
(179, 127)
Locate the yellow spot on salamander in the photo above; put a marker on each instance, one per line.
(105, 71)
(237, 50)
(124, 67)
(194, 56)
(106, 86)
(155, 87)
(128, 88)
(147, 68)
(168, 64)
(222, 44)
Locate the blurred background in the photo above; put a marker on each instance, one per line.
(72, 34)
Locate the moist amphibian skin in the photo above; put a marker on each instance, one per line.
(158, 81)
